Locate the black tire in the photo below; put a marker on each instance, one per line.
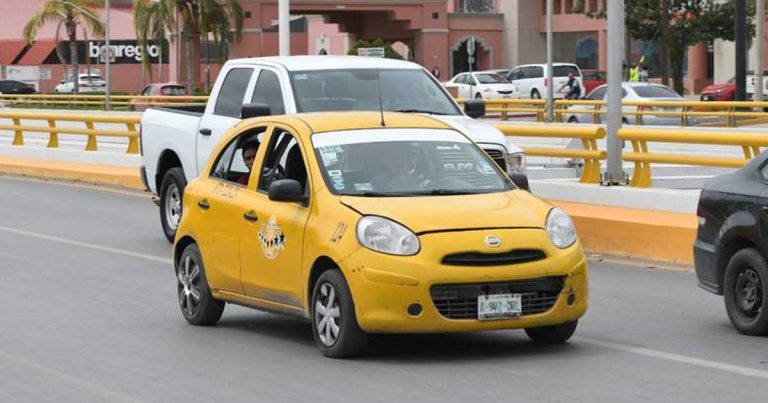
(190, 280)
(552, 334)
(171, 187)
(478, 96)
(573, 119)
(624, 121)
(746, 292)
(350, 340)
(535, 94)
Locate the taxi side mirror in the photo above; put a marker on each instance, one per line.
(287, 190)
(474, 108)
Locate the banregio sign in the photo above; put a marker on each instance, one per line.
(122, 52)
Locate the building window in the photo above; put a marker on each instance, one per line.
(593, 6)
(569, 6)
(477, 6)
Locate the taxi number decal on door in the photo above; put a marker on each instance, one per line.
(226, 190)
(271, 238)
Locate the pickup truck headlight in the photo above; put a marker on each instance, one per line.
(515, 163)
(560, 228)
(386, 236)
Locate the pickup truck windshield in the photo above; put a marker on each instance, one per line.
(405, 162)
(402, 90)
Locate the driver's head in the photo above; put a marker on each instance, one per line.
(250, 148)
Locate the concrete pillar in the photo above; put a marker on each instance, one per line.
(696, 79)
(602, 39)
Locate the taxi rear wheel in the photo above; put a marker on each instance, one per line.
(334, 323)
(746, 292)
(552, 334)
(195, 300)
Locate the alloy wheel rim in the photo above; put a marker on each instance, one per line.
(172, 206)
(748, 293)
(189, 286)
(327, 315)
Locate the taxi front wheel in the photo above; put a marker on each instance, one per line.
(195, 300)
(334, 323)
(552, 334)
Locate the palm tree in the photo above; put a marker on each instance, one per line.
(67, 14)
(198, 19)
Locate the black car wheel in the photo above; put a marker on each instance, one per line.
(195, 300)
(552, 334)
(171, 194)
(535, 94)
(745, 287)
(334, 323)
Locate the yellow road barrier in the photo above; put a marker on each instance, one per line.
(89, 121)
(750, 144)
(587, 134)
(61, 100)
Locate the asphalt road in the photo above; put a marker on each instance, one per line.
(87, 301)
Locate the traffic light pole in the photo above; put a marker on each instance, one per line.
(614, 174)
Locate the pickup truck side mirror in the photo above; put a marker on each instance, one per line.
(255, 111)
(287, 190)
(474, 108)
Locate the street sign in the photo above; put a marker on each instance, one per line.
(370, 52)
(471, 45)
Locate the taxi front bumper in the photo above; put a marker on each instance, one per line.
(387, 289)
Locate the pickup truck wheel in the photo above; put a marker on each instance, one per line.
(195, 300)
(746, 292)
(334, 323)
(552, 334)
(171, 193)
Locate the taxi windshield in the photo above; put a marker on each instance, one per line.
(405, 162)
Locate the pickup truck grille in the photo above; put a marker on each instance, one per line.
(498, 158)
(459, 301)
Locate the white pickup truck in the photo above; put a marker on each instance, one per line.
(176, 142)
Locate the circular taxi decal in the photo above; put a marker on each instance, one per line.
(271, 238)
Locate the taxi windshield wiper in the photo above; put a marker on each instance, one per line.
(379, 194)
(446, 192)
(419, 111)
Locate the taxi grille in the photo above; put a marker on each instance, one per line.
(459, 301)
(498, 157)
(493, 259)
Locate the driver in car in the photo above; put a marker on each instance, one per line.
(396, 175)
(249, 150)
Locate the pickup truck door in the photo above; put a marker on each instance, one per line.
(272, 243)
(224, 111)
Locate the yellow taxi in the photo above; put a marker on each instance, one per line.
(374, 223)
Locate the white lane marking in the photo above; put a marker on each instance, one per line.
(684, 359)
(88, 245)
(105, 393)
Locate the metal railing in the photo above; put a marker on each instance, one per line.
(21, 125)
(504, 108)
(642, 157)
(587, 134)
(96, 101)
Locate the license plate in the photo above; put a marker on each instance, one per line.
(499, 306)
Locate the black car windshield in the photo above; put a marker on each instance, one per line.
(491, 79)
(405, 162)
(402, 90)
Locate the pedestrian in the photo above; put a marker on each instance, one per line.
(435, 72)
(574, 87)
(634, 73)
(643, 74)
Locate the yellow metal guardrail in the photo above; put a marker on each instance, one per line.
(505, 107)
(642, 157)
(587, 134)
(125, 101)
(21, 125)
(732, 113)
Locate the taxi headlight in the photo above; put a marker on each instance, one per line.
(515, 163)
(560, 228)
(386, 236)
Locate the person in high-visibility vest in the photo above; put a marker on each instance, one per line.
(634, 73)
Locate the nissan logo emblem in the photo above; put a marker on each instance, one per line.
(492, 241)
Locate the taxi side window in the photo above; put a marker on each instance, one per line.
(235, 162)
(283, 161)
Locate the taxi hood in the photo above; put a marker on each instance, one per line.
(512, 209)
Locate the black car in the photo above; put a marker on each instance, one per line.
(15, 87)
(732, 244)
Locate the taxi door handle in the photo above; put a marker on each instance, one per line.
(203, 204)
(251, 216)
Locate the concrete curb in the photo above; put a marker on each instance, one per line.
(630, 232)
(90, 173)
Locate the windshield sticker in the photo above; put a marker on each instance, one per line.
(487, 169)
(337, 179)
(363, 187)
(271, 238)
(330, 154)
(448, 148)
(459, 166)
(301, 77)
